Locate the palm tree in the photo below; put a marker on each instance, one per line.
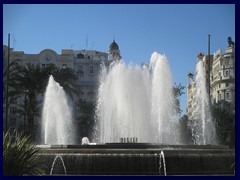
(13, 83)
(65, 77)
(13, 75)
(31, 82)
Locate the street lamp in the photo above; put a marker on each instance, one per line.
(25, 110)
(6, 113)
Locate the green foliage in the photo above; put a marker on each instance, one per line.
(224, 118)
(185, 131)
(13, 92)
(177, 92)
(31, 83)
(86, 120)
(31, 80)
(65, 77)
(19, 156)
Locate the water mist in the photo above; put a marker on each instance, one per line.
(202, 126)
(57, 122)
(137, 102)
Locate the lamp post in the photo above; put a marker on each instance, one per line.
(209, 70)
(6, 110)
(25, 108)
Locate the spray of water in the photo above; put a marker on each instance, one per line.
(53, 164)
(57, 125)
(162, 159)
(137, 102)
(203, 126)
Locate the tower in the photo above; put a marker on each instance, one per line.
(114, 52)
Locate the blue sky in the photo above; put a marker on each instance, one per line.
(179, 31)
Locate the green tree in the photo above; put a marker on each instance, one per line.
(13, 92)
(86, 120)
(177, 92)
(185, 131)
(31, 84)
(30, 81)
(224, 117)
(65, 77)
(14, 75)
(33, 81)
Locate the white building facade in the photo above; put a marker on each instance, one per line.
(222, 79)
(85, 63)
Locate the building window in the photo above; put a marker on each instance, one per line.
(81, 79)
(80, 71)
(80, 55)
(219, 85)
(80, 68)
(43, 65)
(226, 84)
(227, 95)
(227, 62)
(91, 69)
(226, 73)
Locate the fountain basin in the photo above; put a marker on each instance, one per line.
(139, 159)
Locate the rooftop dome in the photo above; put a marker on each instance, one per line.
(113, 46)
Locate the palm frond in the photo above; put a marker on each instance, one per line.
(20, 156)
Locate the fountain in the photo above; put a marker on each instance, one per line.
(57, 125)
(202, 127)
(137, 102)
(54, 162)
(135, 131)
(164, 163)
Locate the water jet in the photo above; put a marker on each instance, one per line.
(135, 131)
(57, 123)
